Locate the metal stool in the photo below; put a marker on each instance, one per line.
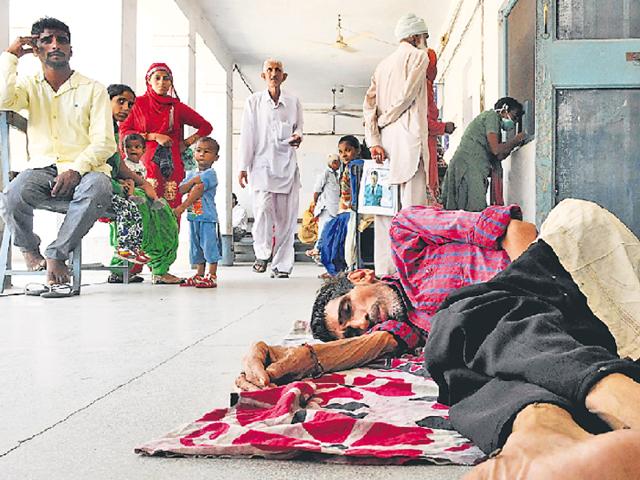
(75, 258)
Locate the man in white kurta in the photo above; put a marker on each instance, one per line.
(271, 132)
(395, 114)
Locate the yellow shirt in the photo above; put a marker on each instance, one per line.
(71, 128)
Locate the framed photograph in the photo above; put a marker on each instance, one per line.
(376, 196)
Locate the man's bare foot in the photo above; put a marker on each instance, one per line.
(34, 260)
(546, 443)
(57, 271)
(616, 400)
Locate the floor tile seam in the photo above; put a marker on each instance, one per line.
(128, 382)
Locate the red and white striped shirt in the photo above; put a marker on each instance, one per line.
(438, 251)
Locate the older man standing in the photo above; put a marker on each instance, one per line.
(395, 114)
(271, 132)
(70, 139)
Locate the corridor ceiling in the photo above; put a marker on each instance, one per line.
(302, 34)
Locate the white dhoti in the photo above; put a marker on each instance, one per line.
(412, 193)
(274, 227)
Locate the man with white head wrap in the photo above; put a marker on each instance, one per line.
(395, 114)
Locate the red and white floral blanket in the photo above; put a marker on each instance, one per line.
(386, 413)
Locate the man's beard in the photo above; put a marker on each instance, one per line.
(395, 307)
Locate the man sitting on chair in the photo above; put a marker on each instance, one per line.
(70, 139)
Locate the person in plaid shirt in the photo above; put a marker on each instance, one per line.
(533, 362)
(435, 251)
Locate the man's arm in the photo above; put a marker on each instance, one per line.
(370, 114)
(417, 227)
(415, 82)
(247, 141)
(267, 365)
(13, 96)
(518, 238)
(102, 142)
(296, 137)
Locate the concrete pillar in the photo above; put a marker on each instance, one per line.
(128, 43)
(191, 64)
(4, 25)
(227, 229)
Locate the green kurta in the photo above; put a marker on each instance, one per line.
(159, 229)
(465, 184)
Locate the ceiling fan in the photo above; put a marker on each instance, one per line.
(335, 111)
(340, 42)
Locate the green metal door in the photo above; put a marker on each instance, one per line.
(588, 105)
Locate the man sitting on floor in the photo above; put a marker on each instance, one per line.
(530, 361)
(70, 139)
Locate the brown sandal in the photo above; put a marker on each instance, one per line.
(158, 280)
(260, 266)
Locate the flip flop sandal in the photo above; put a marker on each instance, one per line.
(115, 278)
(192, 281)
(157, 280)
(207, 282)
(260, 266)
(35, 289)
(58, 290)
(140, 258)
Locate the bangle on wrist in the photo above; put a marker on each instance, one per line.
(318, 369)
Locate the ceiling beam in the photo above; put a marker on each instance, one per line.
(193, 12)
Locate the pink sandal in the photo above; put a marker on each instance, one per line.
(208, 281)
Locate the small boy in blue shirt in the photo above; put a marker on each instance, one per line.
(201, 187)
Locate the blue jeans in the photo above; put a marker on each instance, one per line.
(31, 189)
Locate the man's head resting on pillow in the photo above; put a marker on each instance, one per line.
(349, 305)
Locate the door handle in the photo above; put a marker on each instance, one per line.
(545, 20)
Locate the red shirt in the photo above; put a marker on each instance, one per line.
(437, 251)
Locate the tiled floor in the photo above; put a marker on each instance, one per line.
(85, 379)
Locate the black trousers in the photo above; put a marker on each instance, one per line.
(527, 336)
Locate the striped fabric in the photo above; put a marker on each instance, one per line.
(437, 251)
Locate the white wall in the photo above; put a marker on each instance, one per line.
(461, 65)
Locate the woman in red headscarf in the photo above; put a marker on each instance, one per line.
(159, 116)
(436, 127)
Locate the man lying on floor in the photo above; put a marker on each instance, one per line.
(435, 251)
(529, 361)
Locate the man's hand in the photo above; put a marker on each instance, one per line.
(265, 365)
(243, 178)
(449, 127)
(519, 138)
(65, 183)
(518, 238)
(22, 45)
(378, 154)
(295, 140)
(162, 139)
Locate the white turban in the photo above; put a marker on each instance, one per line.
(409, 25)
